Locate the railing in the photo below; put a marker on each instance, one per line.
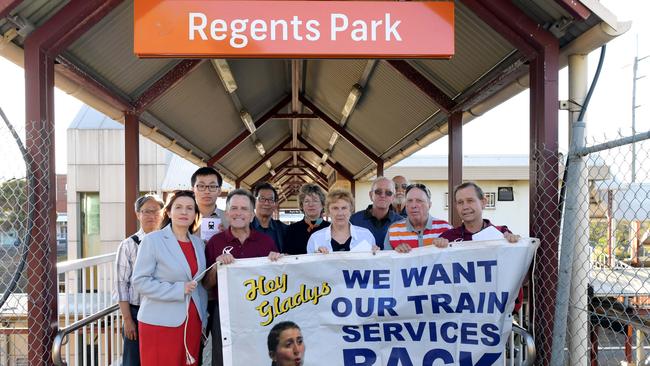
(520, 349)
(62, 336)
(89, 321)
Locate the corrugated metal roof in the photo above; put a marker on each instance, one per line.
(390, 108)
(319, 133)
(246, 155)
(107, 50)
(391, 115)
(472, 37)
(328, 83)
(199, 108)
(260, 83)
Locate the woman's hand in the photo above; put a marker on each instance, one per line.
(189, 287)
(375, 249)
(322, 250)
(274, 256)
(403, 248)
(226, 258)
(130, 331)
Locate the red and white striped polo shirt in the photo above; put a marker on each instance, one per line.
(402, 232)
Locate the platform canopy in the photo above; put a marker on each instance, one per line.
(291, 121)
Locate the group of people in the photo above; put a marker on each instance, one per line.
(167, 282)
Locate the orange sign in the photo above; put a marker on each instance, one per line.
(301, 29)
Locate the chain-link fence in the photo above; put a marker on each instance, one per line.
(28, 282)
(602, 313)
(14, 224)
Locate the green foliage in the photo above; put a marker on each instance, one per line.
(13, 206)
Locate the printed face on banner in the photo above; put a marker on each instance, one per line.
(433, 306)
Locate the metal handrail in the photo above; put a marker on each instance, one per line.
(531, 351)
(63, 333)
(75, 264)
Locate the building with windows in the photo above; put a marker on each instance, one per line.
(504, 179)
(95, 186)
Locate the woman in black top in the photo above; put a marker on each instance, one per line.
(312, 200)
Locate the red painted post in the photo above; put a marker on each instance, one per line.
(131, 171)
(42, 288)
(455, 163)
(629, 331)
(594, 344)
(41, 48)
(544, 214)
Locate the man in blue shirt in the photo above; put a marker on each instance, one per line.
(267, 198)
(378, 216)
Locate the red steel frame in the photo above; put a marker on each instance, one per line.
(76, 17)
(543, 51)
(41, 48)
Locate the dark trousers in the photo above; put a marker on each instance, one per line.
(215, 329)
(131, 355)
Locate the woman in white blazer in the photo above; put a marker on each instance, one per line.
(341, 235)
(173, 307)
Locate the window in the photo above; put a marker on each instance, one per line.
(505, 194)
(89, 219)
(491, 198)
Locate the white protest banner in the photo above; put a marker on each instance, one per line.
(428, 307)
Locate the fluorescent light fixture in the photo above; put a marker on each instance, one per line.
(326, 155)
(223, 70)
(248, 120)
(268, 164)
(272, 172)
(334, 138)
(260, 148)
(319, 168)
(353, 98)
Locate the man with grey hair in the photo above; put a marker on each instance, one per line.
(243, 242)
(148, 210)
(378, 216)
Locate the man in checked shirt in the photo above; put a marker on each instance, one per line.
(148, 209)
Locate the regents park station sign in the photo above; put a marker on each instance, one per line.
(301, 29)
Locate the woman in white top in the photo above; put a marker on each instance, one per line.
(341, 235)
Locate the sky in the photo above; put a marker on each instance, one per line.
(608, 115)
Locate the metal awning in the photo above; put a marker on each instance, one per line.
(285, 121)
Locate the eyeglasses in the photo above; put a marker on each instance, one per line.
(419, 186)
(150, 212)
(385, 192)
(265, 200)
(210, 187)
(310, 202)
(402, 186)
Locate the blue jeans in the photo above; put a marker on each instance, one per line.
(131, 355)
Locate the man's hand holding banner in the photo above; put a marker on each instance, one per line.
(430, 306)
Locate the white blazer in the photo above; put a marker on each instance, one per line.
(323, 238)
(159, 275)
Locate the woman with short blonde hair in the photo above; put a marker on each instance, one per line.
(340, 235)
